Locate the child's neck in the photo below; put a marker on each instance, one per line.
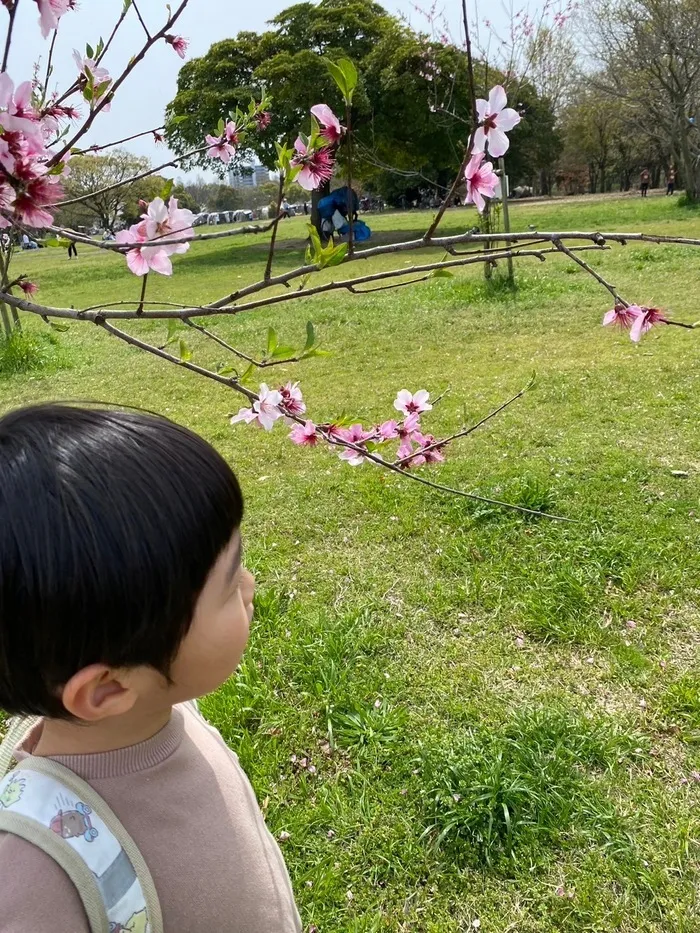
(60, 737)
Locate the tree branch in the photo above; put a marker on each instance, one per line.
(275, 224)
(119, 81)
(138, 13)
(117, 142)
(8, 40)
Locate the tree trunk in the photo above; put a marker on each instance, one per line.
(690, 173)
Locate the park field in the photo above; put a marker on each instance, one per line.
(458, 717)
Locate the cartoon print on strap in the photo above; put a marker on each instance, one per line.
(73, 823)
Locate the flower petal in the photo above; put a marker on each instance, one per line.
(482, 107)
(507, 119)
(479, 143)
(136, 262)
(498, 143)
(497, 99)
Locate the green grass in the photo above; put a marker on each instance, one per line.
(412, 648)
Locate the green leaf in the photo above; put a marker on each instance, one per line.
(337, 256)
(167, 189)
(221, 126)
(185, 352)
(344, 74)
(89, 51)
(227, 371)
(271, 341)
(283, 353)
(56, 241)
(59, 327)
(248, 373)
(338, 76)
(88, 92)
(316, 352)
(310, 337)
(127, 4)
(173, 327)
(441, 274)
(176, 121)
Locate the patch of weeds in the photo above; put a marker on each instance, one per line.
(26, 352)
(560, 605)
(366, 731)
(505, 798)
(531, 492)
(680, 707)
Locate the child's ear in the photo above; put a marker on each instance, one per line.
(97, 692)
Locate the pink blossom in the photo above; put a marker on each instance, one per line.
(42, 192)
(19, 116)
(265, 409)
(7, 196)
(645, 321)
(292, 400)
(29, 288)
(412, 404)
(496, 120)
(219, 148)
(317, 165)
(305, 435)
(50, 11)
(354, 435)
(426, 456)
(481, 181)
(158, 138)
(178, 43)
(332, 130)
(622, 316)
(263, 120)
(101, 78)
(168, 222)
(388, 431)
(142, 259)
(231, 133)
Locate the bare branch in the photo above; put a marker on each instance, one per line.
(8, 40)
(275, 224)
(117, 142)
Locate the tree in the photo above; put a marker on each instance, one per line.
(649, 51)
(411, 111)
(89, 174)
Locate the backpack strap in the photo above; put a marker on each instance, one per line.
(45, 839)
(51, 807)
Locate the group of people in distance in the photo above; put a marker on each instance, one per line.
(645, 178)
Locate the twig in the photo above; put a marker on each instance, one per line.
(139, 310)
(260, 364)
(591, 271)
(117, 142)
(467, 431)
(123, 248)
(275, 224)
(122, 17)
(8, 40)
(232, 382)
(133, 62)
(48, 67)
(475, 121)
(131, 180)
(138, 13)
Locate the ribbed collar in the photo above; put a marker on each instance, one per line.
(120, 761)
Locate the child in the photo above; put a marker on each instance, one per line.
(123, 595)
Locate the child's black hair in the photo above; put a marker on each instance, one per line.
(110, 522)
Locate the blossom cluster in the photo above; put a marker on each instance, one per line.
(638, 320)
(414, 448)
(29, 187)
(159, 221)
(314, 155)
(495, 120)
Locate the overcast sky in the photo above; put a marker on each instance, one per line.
(140, 102)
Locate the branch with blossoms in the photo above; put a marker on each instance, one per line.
(34, 159)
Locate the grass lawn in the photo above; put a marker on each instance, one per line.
(457, 714)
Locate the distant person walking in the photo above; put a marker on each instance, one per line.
(644, 182)
(285, 209)
(72, 250)
(671, 181)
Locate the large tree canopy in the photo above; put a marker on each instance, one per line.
(410, 112)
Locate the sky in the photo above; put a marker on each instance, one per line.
(141, 101)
